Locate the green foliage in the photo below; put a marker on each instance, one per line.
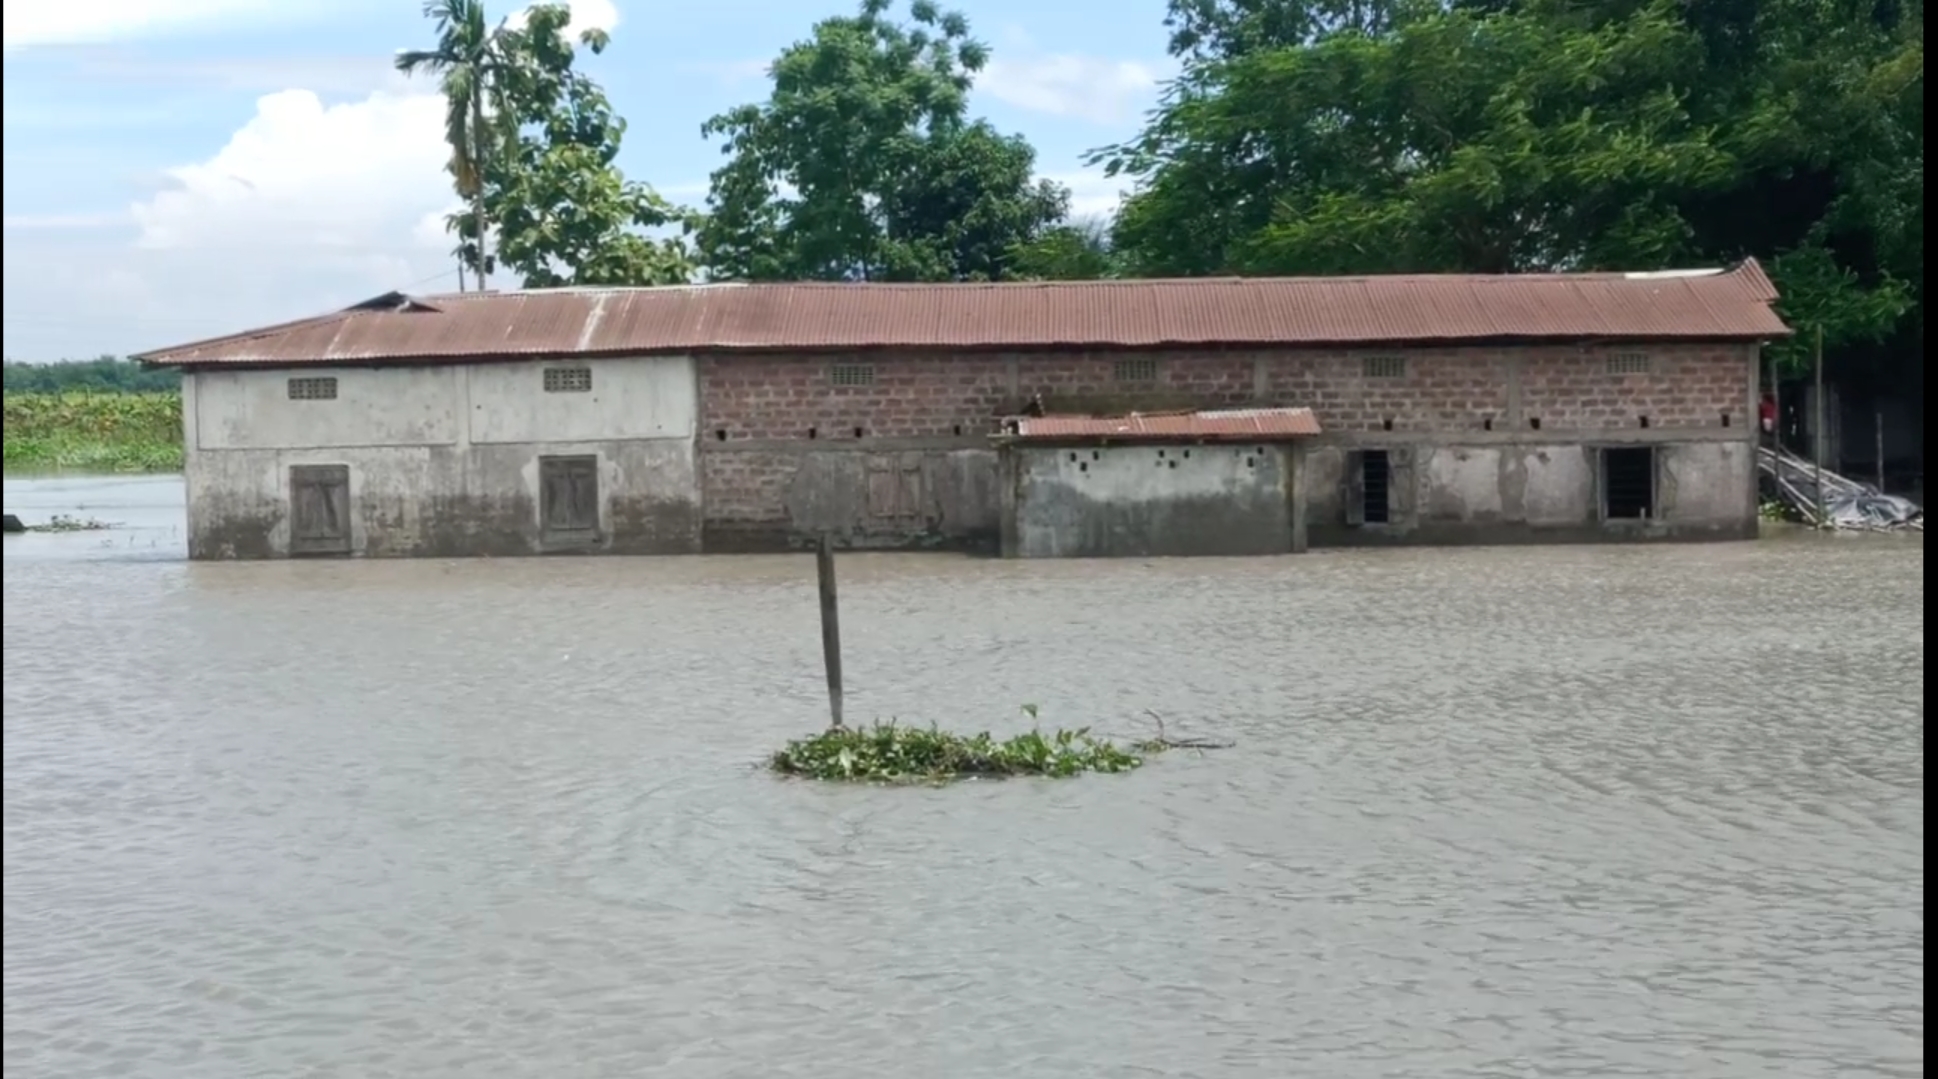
(888, 753)
(103, 375)
(475, 68)
(1818, 294)
(1365, 136)
(862, 166)
(532, 148)
(1212, 30)
(93, 432)
(1078, 251)
(1458, 141)
(565, 214)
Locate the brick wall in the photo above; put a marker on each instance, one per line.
(1566, 387)
(1683, 386)
(806, 402)
(798, 397)
(1418, 389)
(746, 487)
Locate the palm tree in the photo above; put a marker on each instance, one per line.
(471, 63)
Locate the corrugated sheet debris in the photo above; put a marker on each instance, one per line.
(396, 328)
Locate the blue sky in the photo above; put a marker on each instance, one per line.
(178, 169)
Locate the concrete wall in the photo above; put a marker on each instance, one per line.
(1513, 489)
(786, 439)
(1128, 501)
(444, 461)
(1146, 501)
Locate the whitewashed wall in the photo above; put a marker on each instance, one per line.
(442, 460)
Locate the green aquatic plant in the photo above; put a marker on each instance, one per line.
(894, 753)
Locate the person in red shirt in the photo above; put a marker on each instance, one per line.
(1766, 411)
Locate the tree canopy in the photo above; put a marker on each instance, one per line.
(533, 144)
(862, 164)
(1366, 136)
(565, 213)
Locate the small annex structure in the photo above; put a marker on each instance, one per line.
(1226, 482)
(730, 417)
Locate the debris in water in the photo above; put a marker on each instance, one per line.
(1847, 504)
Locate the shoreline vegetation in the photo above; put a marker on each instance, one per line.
(93, 431)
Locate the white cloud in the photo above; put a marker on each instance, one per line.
(1088, 88)
(308, 206)
(67, 22)
(308, 180)
(1092, 194)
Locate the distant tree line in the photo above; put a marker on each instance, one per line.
(106, 374)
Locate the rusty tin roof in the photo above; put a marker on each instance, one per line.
(1223, 425)
(396, 328)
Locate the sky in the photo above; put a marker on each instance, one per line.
(181, 169)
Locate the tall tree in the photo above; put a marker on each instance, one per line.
(1456, 141)
(1212, 30)
(565, 213)
(1326, 136)
(861, 165)
(473, 68)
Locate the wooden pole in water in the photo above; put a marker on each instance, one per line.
(830, 625)
(1880, 451)
(1817, 425)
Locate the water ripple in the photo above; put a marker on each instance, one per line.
(1570, 812)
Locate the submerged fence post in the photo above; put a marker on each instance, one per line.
(830, 625)
(1819, 443)
(1880, 451)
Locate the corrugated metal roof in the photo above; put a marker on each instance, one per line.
(1710, 305)
(1229, 425)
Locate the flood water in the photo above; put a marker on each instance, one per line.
(1517, 812)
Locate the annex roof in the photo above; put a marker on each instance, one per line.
(1733, 304)
(1223, 425)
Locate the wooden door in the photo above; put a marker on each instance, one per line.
(897, 497)
(569, 498)
(319, 509)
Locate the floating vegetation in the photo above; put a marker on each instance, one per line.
(61, 522)
(893, 753)
(1773, 510)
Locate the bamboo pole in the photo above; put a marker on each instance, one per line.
(830, 626)
(1880, 450)
(1817, 425)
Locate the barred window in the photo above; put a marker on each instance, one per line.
(1628, 363)
(568, 380)
(1384, 367)
(851, 374)
(312, 389)
(1134, 369)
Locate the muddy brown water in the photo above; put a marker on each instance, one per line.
(1513, 812)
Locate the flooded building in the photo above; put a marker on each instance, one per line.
(1227, 482)
(752, 417)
